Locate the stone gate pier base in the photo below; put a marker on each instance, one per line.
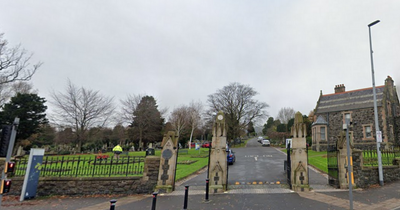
(299, 162)
(218, 162)
(169, 155)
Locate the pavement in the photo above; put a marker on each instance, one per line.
(238, 197)
(386, 197)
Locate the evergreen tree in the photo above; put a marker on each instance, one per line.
(250, 128)
(147, 122)
(269, 124)
(30, 109)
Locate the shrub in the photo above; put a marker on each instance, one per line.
(64, 152)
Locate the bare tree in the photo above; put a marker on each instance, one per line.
(178, 119)
(285, 114)
(129, 106)
(81, 109)
(194, 118)
(237, 103)
(9, 90)
(15, 63)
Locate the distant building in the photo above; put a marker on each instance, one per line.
(358, 106)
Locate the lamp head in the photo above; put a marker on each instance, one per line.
(373, 23)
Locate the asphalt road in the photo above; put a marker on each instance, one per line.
(258, 164)
(254, 163)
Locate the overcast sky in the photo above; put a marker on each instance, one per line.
(183, 51)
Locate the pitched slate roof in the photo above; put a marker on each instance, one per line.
(349, 100)
(320, 121)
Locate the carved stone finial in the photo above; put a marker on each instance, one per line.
(298, 118)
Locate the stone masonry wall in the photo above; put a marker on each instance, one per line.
(397, 130)
(98, 185)
(367, 176)
(359, 118)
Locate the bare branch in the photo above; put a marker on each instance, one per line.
(15, 63)
(81, 109)
(237, 103)
(285, 114)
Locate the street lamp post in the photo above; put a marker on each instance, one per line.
(378, 132)
(349, 163)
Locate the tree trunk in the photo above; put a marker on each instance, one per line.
(190, 140)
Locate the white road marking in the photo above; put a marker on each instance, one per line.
(255, 158)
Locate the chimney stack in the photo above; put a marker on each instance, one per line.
(340, 88)
(389, 81)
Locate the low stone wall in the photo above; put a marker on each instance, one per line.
(98, 185)
(365, 176)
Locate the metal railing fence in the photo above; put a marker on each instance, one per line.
(63, 166)
(370, 156)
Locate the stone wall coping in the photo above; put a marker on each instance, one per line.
(376, 167)
(81, 178)
(153, 157)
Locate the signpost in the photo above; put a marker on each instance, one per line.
(10, 148)
(379, 136)
(32, 173)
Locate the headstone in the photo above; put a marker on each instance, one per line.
(299, 162)
(218, 161)
(166, 175)
(20, 151)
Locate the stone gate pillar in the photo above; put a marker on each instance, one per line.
(299, 162)
(218, 161)
(166, 175)
(342, 160)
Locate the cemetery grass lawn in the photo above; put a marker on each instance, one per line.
(317, 160)
(183, 170)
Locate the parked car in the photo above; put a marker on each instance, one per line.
(206, 145)
(260, 138)
(266, 143)
(230, 156)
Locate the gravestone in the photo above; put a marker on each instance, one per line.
(218, 161)
(166, 175)
(299, 162)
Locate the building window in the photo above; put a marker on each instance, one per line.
(367, 131)
(323, 135)
(347, 117)
(314, 135)
(391, 130)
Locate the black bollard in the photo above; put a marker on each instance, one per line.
(153, 206)
(185, 203)
(112, 204)
(207, 188)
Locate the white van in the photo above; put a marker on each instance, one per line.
(260, 138)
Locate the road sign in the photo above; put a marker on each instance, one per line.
(379, 136)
